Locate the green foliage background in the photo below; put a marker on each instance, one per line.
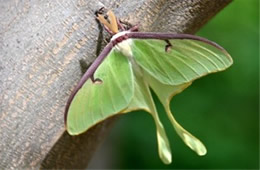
(220, 109)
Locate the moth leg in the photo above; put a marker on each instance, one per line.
(134, 28)
(168, 46)
(125, 23)
(107, 30)
(107, 40)
(128, 26)
(120, 25)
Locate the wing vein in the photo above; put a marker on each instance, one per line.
(177, 69)
(151, 66)
(188, 65)
(117, 83)
(214, 54)
(110, 94)
(195, 59)
(201, 54)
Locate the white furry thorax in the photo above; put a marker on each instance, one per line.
(124, 46)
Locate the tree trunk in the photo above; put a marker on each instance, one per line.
(41, 45)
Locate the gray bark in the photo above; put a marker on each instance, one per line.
(41, 44)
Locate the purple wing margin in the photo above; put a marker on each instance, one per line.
(89, 73)
(166, 36)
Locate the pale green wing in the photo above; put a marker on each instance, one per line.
(184, 61)
(142, 99)
(165, 96)
(95, 102)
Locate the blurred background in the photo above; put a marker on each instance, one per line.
(221, 109)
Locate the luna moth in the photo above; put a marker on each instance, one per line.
(132, 63)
